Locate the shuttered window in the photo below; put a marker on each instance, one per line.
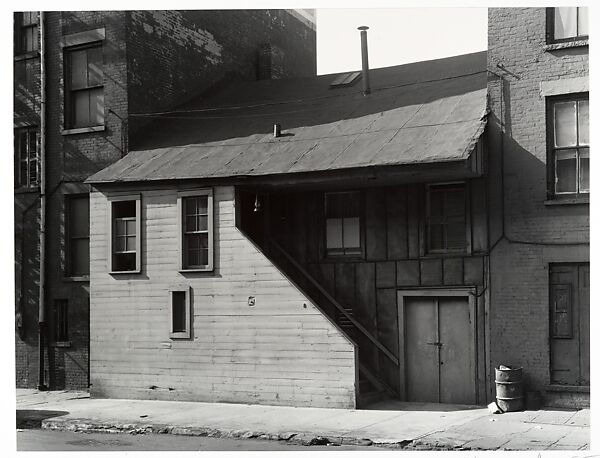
(342, 221)
(446, 218)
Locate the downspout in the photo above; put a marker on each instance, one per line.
(42, 159)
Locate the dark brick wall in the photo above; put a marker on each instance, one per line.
(151, 61)
(519, 310)
(176, 55)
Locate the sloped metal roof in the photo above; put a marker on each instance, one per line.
(425, 112)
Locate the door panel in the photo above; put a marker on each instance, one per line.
(457, 384)
(584, 324)
(421, 359)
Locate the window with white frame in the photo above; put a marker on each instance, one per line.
(567, 23)
(26, 156)
(196, 230)
(180, 313)
(125, 223)
(84, 93)
(342, 224)
(78, 235)
(446, 218)
(569, 145)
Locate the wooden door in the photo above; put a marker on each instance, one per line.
(570, 324)
(439, 348)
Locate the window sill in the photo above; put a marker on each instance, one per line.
(566, 45)
(125, 272)
(192, 271)
(179, 335)
(27, 55)
(62, 344)
(27, 189)
(77, 279)
(568, 201)
(83, 130)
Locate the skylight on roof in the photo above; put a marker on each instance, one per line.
(345, 79)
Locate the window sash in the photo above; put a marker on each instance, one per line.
(195, 216)
(570, 150)
(26, 149)
(447, 228)
(85, 89)
(343, 223)
(569, 23)
(125, 247)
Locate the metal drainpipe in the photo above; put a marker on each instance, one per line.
(42, 280)
(365, 59)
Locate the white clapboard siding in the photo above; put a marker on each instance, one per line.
(282, 351)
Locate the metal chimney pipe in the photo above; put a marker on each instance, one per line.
(365, 59)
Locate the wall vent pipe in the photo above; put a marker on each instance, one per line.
(365, 59)
(276, 130)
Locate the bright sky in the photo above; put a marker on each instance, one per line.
(397, 35)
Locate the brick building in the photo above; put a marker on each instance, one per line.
(101, 69)
(538, 89)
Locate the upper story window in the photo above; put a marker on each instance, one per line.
(569, 145)
(84, 91)
(446, 218)
(196, 226)
(26, 32)
(78, 235)
(26, 156)
(567, 23)
(342, 221)
(125, 234)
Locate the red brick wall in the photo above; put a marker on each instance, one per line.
(519, 310)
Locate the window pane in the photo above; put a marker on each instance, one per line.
(203, 240)
(351, 206)
(124, 209)
(583, 21)
(78, 61)
(584, 121)
(436, 237)
(202, 205)
(334, 233)
(193, 258)
(565, 22)
(566, 171)
(120, 227)
(334, 205)
(191, 206)
(33, 175)
(130, 243)
(455, 236)
(455, 203)
(191, 223)
(79, 221)
(96, 116)
(120, 242)
(130, 226)
(124, 262)
(202, 223)
(351, 232)
(178, 312)
(193, 241)
(203, 257)
(80, 257)
(436, 204)
(584, 169)
(81, 109)
(565, 119)
(94, 64)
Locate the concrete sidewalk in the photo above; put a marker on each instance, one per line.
(395, 424)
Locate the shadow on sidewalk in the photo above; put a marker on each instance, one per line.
(32, 419)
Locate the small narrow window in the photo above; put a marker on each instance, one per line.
(125, 234)
(562, 327)
(26, 156)
(78, 236)
(569, 152)
(446, 218)
(61, 320)
(84, 87)
(180, 313)
(26, 32)
(342, 221)
(568, 23)
(196, 229)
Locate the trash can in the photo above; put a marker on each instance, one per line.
(509, 388)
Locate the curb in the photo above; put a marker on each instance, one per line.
(298, 438)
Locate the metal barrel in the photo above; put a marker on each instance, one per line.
(509, 389)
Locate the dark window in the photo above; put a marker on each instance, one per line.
(125, 237)
(78, 249)
(446, 218)
(569, 152)
(61, 320)
(84, 87)
(26, 32)
(196, 232)
(342, 224)
(180, 314)
(567, 23)
(26, 156)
